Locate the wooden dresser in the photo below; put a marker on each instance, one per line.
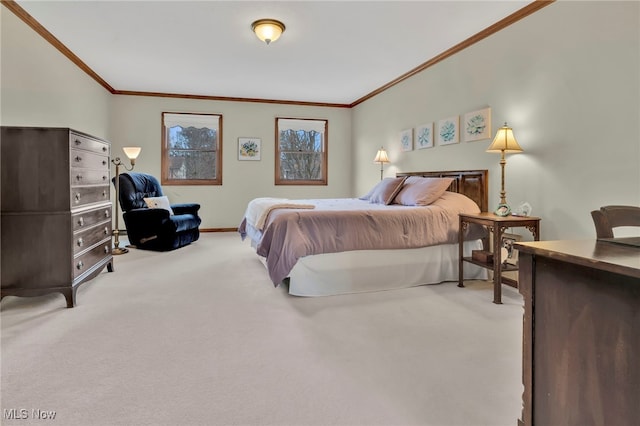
(581, 335)
(56, 210)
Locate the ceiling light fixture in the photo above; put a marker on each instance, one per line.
(268, 30)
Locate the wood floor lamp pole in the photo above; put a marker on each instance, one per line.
(503, 193)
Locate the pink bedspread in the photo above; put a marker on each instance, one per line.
(338, 225)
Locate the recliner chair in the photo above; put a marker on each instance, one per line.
(155, 229)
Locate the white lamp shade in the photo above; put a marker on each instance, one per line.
(268, 30)
(132, 152)
(381, 157)
(504, 141)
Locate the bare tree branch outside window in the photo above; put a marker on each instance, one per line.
(191, 151)
(301, 153)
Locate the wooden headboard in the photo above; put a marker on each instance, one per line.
(472, 183)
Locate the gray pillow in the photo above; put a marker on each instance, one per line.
(384, 191)
(421, 191)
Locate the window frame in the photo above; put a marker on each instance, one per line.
(165, 161)
(325, 155)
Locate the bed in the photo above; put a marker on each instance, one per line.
(381, 241)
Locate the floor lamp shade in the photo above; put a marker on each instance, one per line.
(504, 143)
(381, 158)
(132, 153)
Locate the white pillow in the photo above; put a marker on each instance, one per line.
(159, 203)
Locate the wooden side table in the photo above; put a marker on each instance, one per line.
(496, 226)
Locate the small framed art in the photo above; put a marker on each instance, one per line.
(406, 140)
(448, 131)
(249, 149)
(509, 253)
(424, 136)
(477, 125)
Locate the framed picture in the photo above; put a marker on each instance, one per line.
(424, 136)
(249, 149)
(477, 125)
(448, 131)
(406, 140)
(509, 254)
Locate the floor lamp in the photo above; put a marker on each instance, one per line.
(382, 158)
(504, 143)
(132, 153)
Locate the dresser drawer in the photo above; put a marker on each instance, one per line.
(86, 260)
(88, 237)
(88, 160)
(82, 142)
(89, 177)
(88, 218)
(89, 194)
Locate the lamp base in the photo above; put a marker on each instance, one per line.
(502, 210)
(119, 250)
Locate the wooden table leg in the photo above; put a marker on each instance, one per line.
(497, 265)
(461, 227)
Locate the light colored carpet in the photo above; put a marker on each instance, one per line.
(199, 336)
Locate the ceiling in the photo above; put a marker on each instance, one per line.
(333, 52)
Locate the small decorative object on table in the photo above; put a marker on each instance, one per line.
(524, 209)
(503, 210)
(510, 254)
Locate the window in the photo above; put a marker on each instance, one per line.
(301, 151)
(191, 149)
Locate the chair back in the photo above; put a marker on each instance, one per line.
(135, 187)
(610, 217)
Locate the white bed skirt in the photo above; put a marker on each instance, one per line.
(376, 270)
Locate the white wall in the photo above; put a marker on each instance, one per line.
(136, 120)
(567, 79)
(39, 86)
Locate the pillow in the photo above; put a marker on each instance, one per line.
(385, 190)
(421, 191)
(159, 203)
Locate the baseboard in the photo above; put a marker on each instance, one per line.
(218, 229)
(124, 231)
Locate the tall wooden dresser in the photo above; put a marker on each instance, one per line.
(56, 210)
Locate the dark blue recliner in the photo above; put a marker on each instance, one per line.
(155, 229)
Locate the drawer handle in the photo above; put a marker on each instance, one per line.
(79, 265)
(104, 162)
(106, 249)
(106, 231)
(104, 193)
(79, 177)
(78, 159)
(104, 149)
(81, 221)
(106, 213)
(80, 242)
(104, 178)
(77, 196)
(78, 141)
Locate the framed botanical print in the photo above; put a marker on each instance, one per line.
(477, 125)
(448, 131)
(249, 149)
(406, 140)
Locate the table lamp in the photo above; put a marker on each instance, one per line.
(504, 143)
